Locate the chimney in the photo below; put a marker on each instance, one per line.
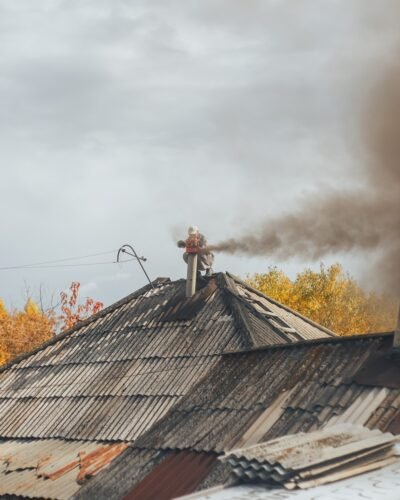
(191, 275)
(396, 341)
(194, 245)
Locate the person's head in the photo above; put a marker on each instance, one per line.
(193, 230)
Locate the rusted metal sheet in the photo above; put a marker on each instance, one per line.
(122, 475)
(51, 468)
(177, 475)
(92, 463)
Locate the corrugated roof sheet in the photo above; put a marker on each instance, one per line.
(51, 468)
(305, 460)
(383, 484)
(253, 396)
(284, 319)
(178, 474)
(123, 474)
(312, 384)
(116, 375)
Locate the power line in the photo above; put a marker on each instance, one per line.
(75, 265)
(42, 265)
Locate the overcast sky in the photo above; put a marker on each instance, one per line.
(125, 121)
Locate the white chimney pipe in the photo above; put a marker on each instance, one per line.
(191, 274)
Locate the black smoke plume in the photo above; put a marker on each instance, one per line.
(365, 219)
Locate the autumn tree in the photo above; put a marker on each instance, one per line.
(330, 297)
(22, 331)
(72, 311)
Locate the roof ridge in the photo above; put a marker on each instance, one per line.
(279, 304)
(91, 319)
(337, 339)
(237, 307)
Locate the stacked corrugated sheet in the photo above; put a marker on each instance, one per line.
(306, 460)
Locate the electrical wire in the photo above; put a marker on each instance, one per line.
(40, 264)
(76, 265)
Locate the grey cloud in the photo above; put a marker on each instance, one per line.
(121, 119)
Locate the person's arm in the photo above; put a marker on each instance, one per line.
(203, 241)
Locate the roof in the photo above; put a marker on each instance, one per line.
(180, 473)
(305, 460)
(251, 397)
(176, 378)
(51, 468)
(114, 376)
(137, 360)
(383, 484)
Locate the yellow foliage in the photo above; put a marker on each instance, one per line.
(22, 331)
(3, 310)
(31, 308)
(331, 298)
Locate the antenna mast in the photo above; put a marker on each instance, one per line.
(123, 249)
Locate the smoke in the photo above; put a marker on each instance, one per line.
(366, 219)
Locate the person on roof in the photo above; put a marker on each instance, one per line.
(197, 243)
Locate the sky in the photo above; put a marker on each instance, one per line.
(126, 121)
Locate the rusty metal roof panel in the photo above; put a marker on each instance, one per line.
(51, 468)
(178, 474)
(122, 475)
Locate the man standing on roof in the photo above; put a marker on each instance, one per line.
(198, 242)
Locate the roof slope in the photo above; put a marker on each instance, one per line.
(251, 397)
(115, 375)
(256, 396)
(260, 395)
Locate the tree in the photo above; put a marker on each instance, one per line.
(71, 311)
(330, 297)
(23, 331)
